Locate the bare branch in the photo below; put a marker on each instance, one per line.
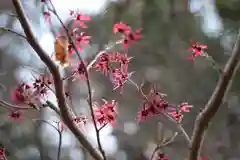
(58, 82)
(211, 108)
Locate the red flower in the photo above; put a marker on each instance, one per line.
(154, 104)
(2, 154)
(119, 77)
(162, 156)
(47, 17)
(196, 50)
(80, 119)
(177, 112)
(30, 95)
(70, 49)
(15, 115)
(22, 94)
(129, 36)
(79, 70)
(121, 28)
(41, 85)
(106, 113)
(115, 56)
(103, 65)
(82, 39)
(81, 19)
(71, 12)
(123, 59)
(184, 107)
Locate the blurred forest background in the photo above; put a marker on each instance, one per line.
(160, 57)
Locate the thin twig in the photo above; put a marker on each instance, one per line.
(211, 108)
(164, 144)
(10, 14)
(214, 64)
(60, 143)
(100, 128)
(13, 107)
(4, 29)
(53, 107)
(59, 134)
(179, 126)
(58, 82)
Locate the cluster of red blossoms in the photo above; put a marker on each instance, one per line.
(115, 65)
(2, 154)
(129, 36)
(106, 113)
(197, 50)
(33, 94)
(162, 156)
(155, 103)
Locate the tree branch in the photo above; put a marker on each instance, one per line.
(58, 82)
(203, 119)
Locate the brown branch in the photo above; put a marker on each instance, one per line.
(204, 118)
(58, 82)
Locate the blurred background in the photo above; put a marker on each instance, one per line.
(160, 57)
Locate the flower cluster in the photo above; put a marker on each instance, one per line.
(155, 103)
(16, 115)
(196, 50)
(2, 154)
(162, 156)
(115, 65)
(107, 61)
(77, 34)
(129, 36)
(177, 112)
(80, 119)
(33, 94)
(106, 113)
